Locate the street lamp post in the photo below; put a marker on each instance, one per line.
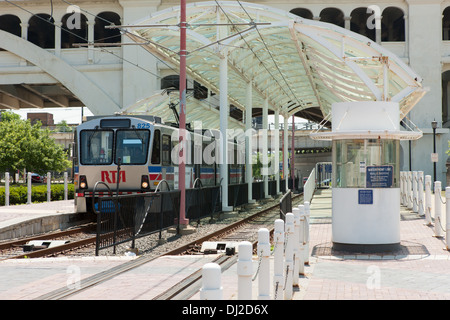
(434, 126)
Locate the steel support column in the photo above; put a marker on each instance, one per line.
(276, 149)
(249, 142)
(265, 149)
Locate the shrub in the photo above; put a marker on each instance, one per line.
(18, 194)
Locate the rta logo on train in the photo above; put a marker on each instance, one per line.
(111, 176)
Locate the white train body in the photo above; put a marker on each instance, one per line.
(148, 153)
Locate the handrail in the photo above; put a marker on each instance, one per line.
(195, 182)
(93, 194)
(167, 184)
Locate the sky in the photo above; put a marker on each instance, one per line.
(73, 115)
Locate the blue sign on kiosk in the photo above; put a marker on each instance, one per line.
(365, 196)
(379, 176)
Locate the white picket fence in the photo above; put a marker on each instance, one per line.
(290, 254)
(29, 200)
(416, 194)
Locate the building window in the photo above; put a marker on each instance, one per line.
(333, 15)
(302, 12)
(102, 35)
(71, 32)
(446, 24)
(445, 97)
(392, 25)
(41, 31)
(358, 23)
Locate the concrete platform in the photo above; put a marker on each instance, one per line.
(420, 270)
(28, 219)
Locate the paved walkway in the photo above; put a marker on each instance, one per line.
(420, 270)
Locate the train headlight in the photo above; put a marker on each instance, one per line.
(145, 182)
(83, 182)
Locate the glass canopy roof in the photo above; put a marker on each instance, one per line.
(301, 66)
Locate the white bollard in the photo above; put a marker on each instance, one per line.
(211, 282)
(6, 188)
(65, 186)
(295, 236)
(29, 188)
(278, 261)
(415, 198)
(264, 266)
(409, 195)
(289, 255)
(306, 237)
(420, 194)
(437, 209)
(49, 188)
(245, 271)
(447, 217)
(428, 199)
(301, 237)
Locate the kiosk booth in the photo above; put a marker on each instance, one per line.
(366, 175)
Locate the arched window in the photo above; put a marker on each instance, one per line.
(446, 24)
(392, 25)
(171, 82)
(358, 23)
(41, 31)
(102, 35)
(10, 23)
(445, 96)
(302, 12)
(333, 15)
(73, 29)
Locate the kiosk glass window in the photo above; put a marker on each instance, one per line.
(366, 163)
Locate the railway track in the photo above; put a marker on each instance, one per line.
(74, 238)
(245, 229)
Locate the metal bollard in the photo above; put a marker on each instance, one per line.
(295, 237)
(428, 199)
(245, 271)
(49, 188)
(409, 195)
(447, 217)
(6, 188)
(211, 282)
(415, 198)
(301, 237)
(264, 266)
(289, 256)
(437, 209)
(420, 194)
(29, 188)
(278, 264)
(306, 237)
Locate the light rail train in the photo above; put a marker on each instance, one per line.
(145, 151)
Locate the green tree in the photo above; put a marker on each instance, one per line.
(23, 145)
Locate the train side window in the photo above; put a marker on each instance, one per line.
(166, 148)
(156, 150)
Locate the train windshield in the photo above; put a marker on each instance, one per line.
(96, 146)
(132, 146)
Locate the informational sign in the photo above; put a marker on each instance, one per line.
(362, 166)
(379, 176)
(365, 196)
(434, 157)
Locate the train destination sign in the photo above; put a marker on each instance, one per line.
(379, 176)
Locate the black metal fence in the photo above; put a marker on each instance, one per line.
(285, 205)
(124, 218)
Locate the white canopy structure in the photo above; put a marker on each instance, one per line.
(299, 66)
